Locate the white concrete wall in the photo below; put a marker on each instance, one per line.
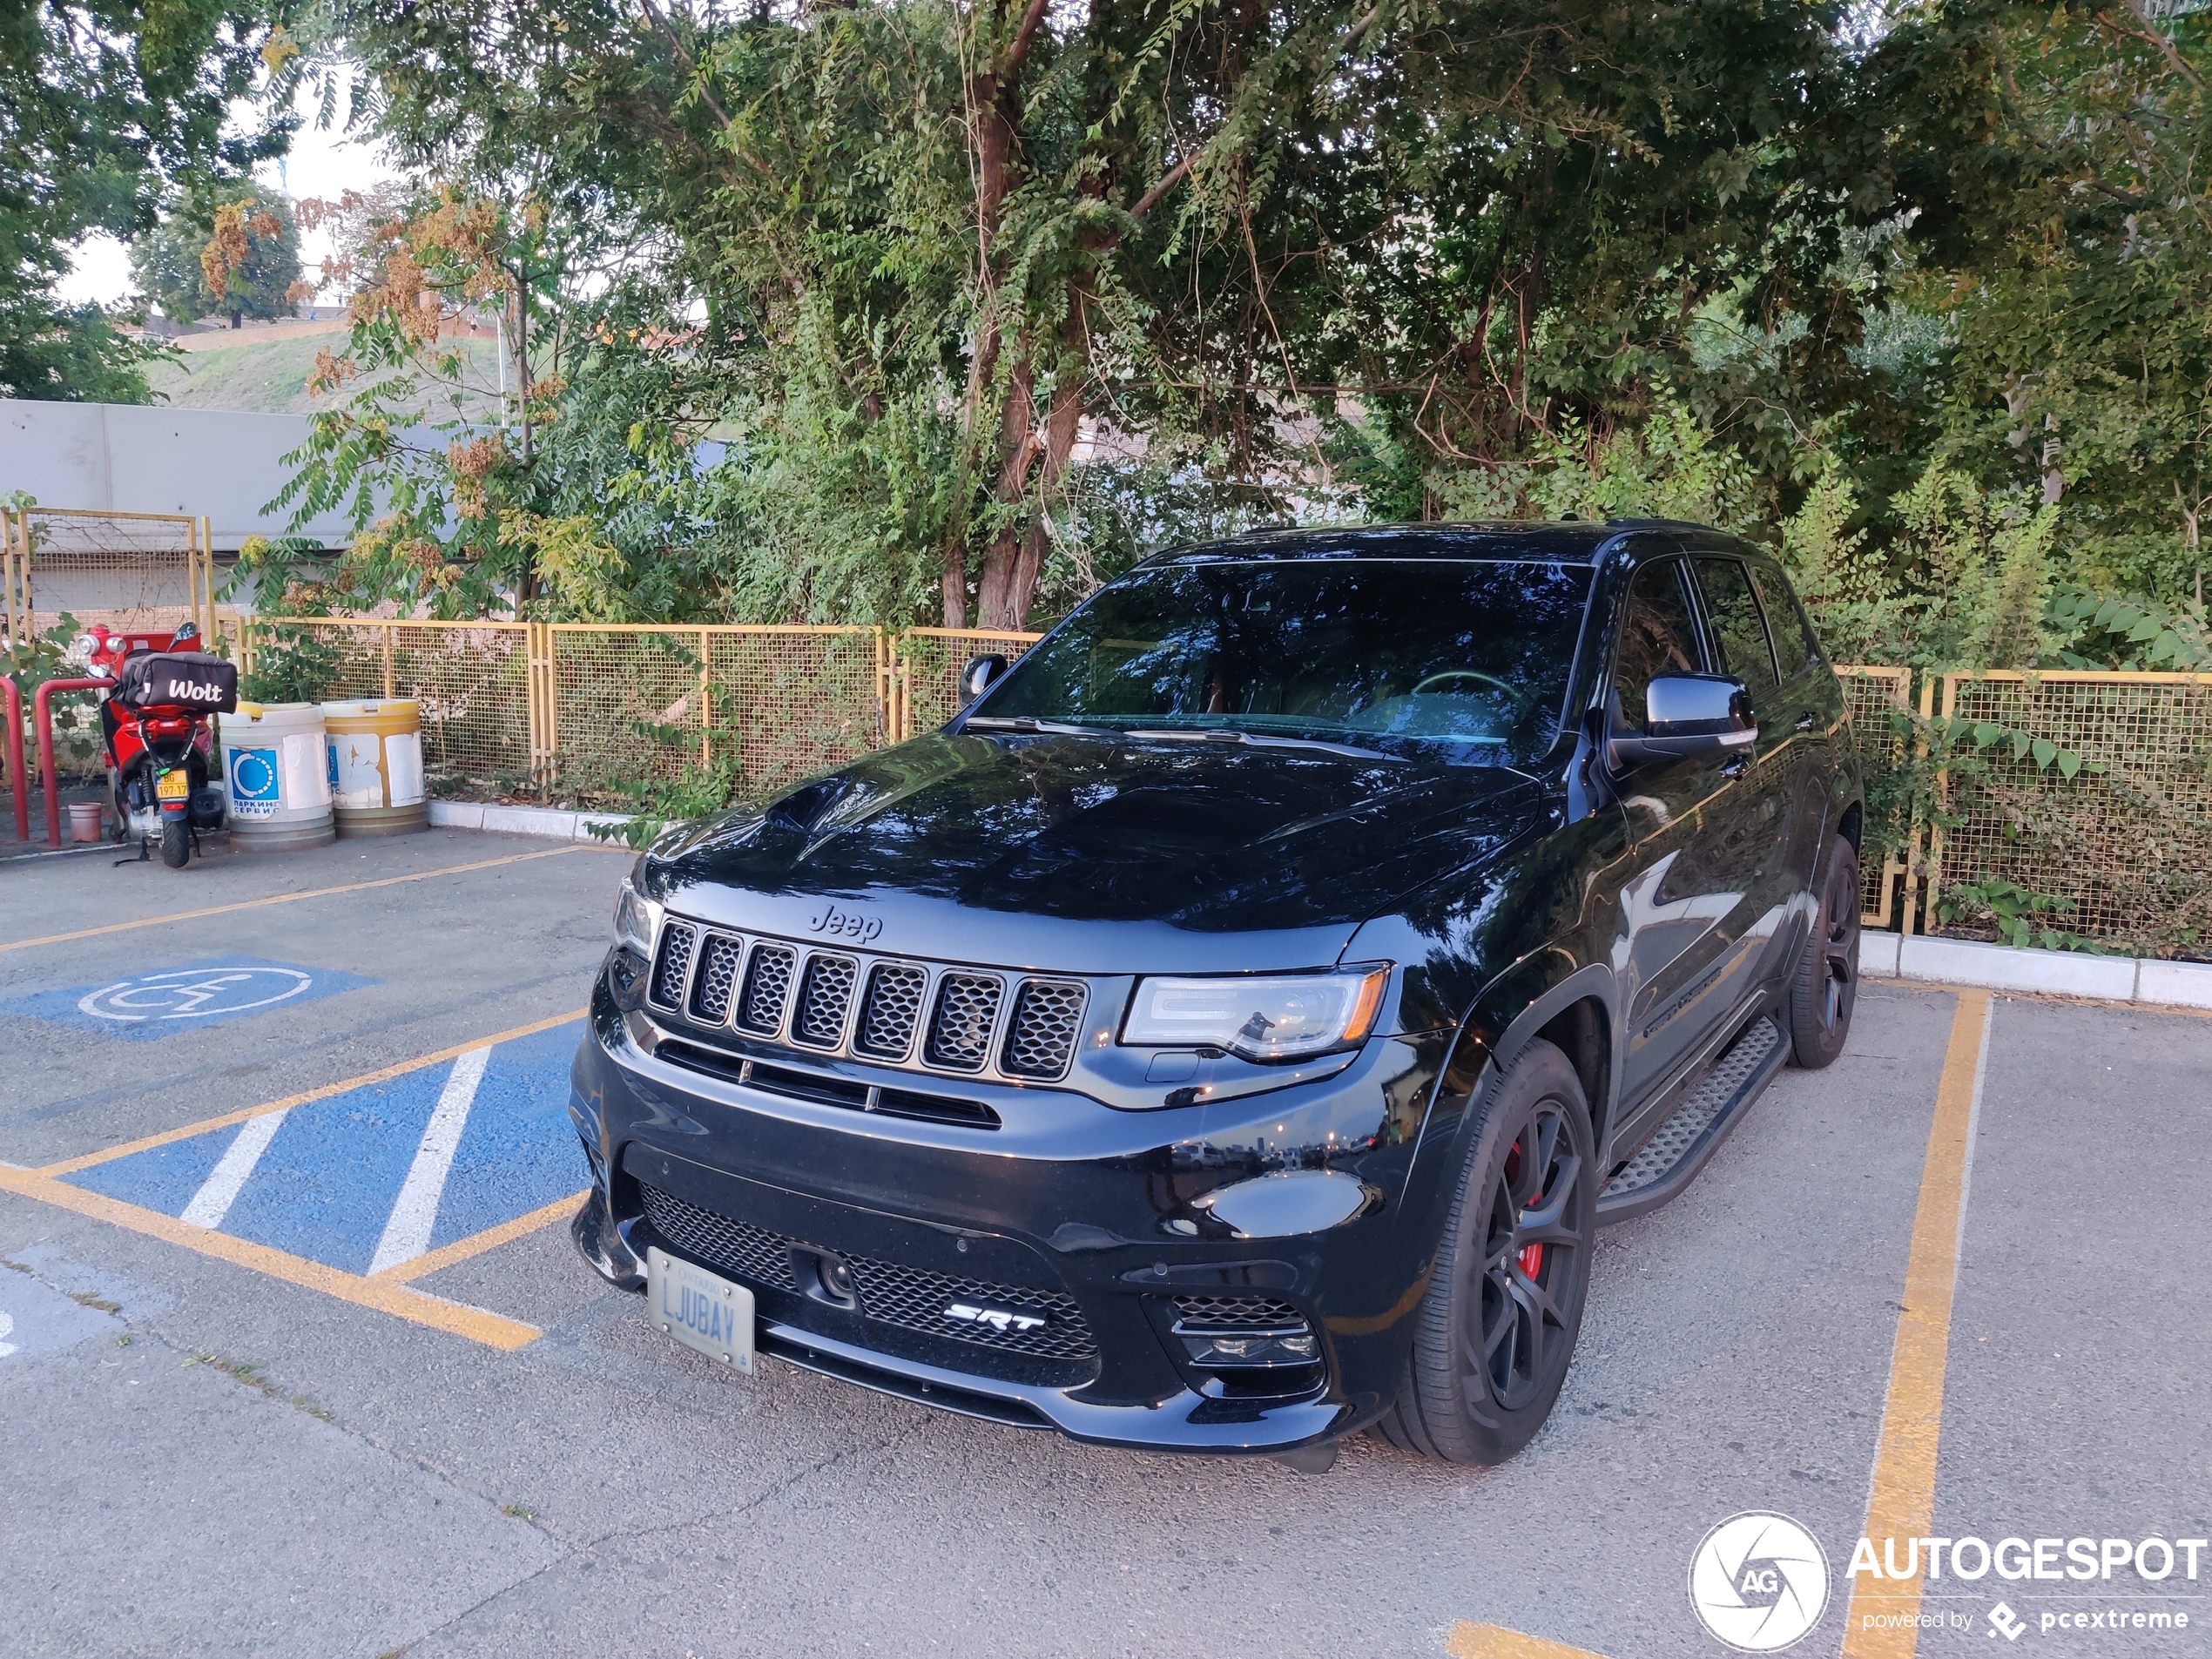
(223, 463)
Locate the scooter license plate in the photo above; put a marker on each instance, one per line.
(173, 786)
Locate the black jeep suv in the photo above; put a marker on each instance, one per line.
(1229, 1031)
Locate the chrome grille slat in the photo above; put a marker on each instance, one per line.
(1040, 1037)
(891, 1011)
(960, 1026)
(677, 941)
(767, 987)
(824, 997)
(920, 1016)
(717, 979)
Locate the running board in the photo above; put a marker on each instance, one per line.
(1670, 1160)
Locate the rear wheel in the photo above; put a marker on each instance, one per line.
(175, 842)
(1497, 1327)
(1826, 988)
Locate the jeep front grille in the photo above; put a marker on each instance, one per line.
(1048, 1018)
(717, 978)
(960, 1033)
(891, 1011)
(920, 1016)
(767, 986)
(824, 995)
(677, 941)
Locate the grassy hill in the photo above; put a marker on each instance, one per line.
(270, 374)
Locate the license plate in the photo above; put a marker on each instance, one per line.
(700, 1308)
(173, 786)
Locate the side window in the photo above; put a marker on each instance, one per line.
(1793, 640)
(1738, 626)
(1657, 637)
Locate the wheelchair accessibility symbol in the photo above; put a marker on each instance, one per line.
(194, 992)
(169, 1001)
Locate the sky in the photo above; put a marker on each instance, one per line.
(321, 164)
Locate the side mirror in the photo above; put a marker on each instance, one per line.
(979, 675)
(1691, 717)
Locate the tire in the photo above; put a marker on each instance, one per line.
(1826, 990)
(1496, 1331)
(175, 842)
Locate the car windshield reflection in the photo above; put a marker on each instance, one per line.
(1469, 659)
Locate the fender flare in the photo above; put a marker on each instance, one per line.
(1497, 1053)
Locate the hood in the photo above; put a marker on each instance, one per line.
(1088, 854)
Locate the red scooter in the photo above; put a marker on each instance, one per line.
(156, 735)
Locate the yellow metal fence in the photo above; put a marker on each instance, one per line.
(576, 710)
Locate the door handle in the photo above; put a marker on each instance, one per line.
(1807, 720)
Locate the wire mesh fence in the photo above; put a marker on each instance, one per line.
(586, 714)
(926, 664)
(1873, 698)
(121, 571)
(2124, 842)
(765, 706)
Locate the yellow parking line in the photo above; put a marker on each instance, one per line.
(476, 1244)
(416, 1306)
(1468, 1640)
(1901, 1500)
(70, 1166)
(283, 897)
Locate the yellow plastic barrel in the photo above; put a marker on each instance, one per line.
(376, 766)
(276, 772)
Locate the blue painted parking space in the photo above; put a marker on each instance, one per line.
(372, 1178)
(164, 1001)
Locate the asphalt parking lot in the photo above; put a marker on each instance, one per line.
(299, 1359)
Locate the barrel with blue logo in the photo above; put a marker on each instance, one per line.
(276, 771)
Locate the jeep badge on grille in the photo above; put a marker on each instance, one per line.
(846, 924)
(997, 1319)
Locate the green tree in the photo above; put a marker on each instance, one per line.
(101, 104)
(223, 250)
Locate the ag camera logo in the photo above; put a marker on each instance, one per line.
(1758, 1582)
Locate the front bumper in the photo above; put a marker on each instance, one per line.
(1092, 1220)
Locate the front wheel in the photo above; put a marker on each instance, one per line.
(175, 842)
(1826, 988)
(1497, 1326)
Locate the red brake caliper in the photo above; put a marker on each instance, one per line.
(1532, 1256)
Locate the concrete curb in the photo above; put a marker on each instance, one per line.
(2057, 972)
(523, 821)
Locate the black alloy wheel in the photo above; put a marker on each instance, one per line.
(1497, 1327)
(1826, 988)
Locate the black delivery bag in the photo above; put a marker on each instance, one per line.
(187, 680)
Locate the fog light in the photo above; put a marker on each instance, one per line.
(837, 1279)
(1248, 1352)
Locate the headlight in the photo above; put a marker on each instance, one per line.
(634, 919)
(1261, 1019)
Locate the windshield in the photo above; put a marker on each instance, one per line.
(1375, 653)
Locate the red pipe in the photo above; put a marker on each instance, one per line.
(42, 718)
(15, 777)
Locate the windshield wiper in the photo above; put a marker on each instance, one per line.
(1225, 734)
(1030, 723)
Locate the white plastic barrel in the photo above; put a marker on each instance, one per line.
(276, 772)
(376, 766)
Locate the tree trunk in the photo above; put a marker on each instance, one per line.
(1017, 553)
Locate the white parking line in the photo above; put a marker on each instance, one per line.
(216, 1195)
(407, 1234)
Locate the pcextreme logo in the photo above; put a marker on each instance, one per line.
(1758, 1582)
